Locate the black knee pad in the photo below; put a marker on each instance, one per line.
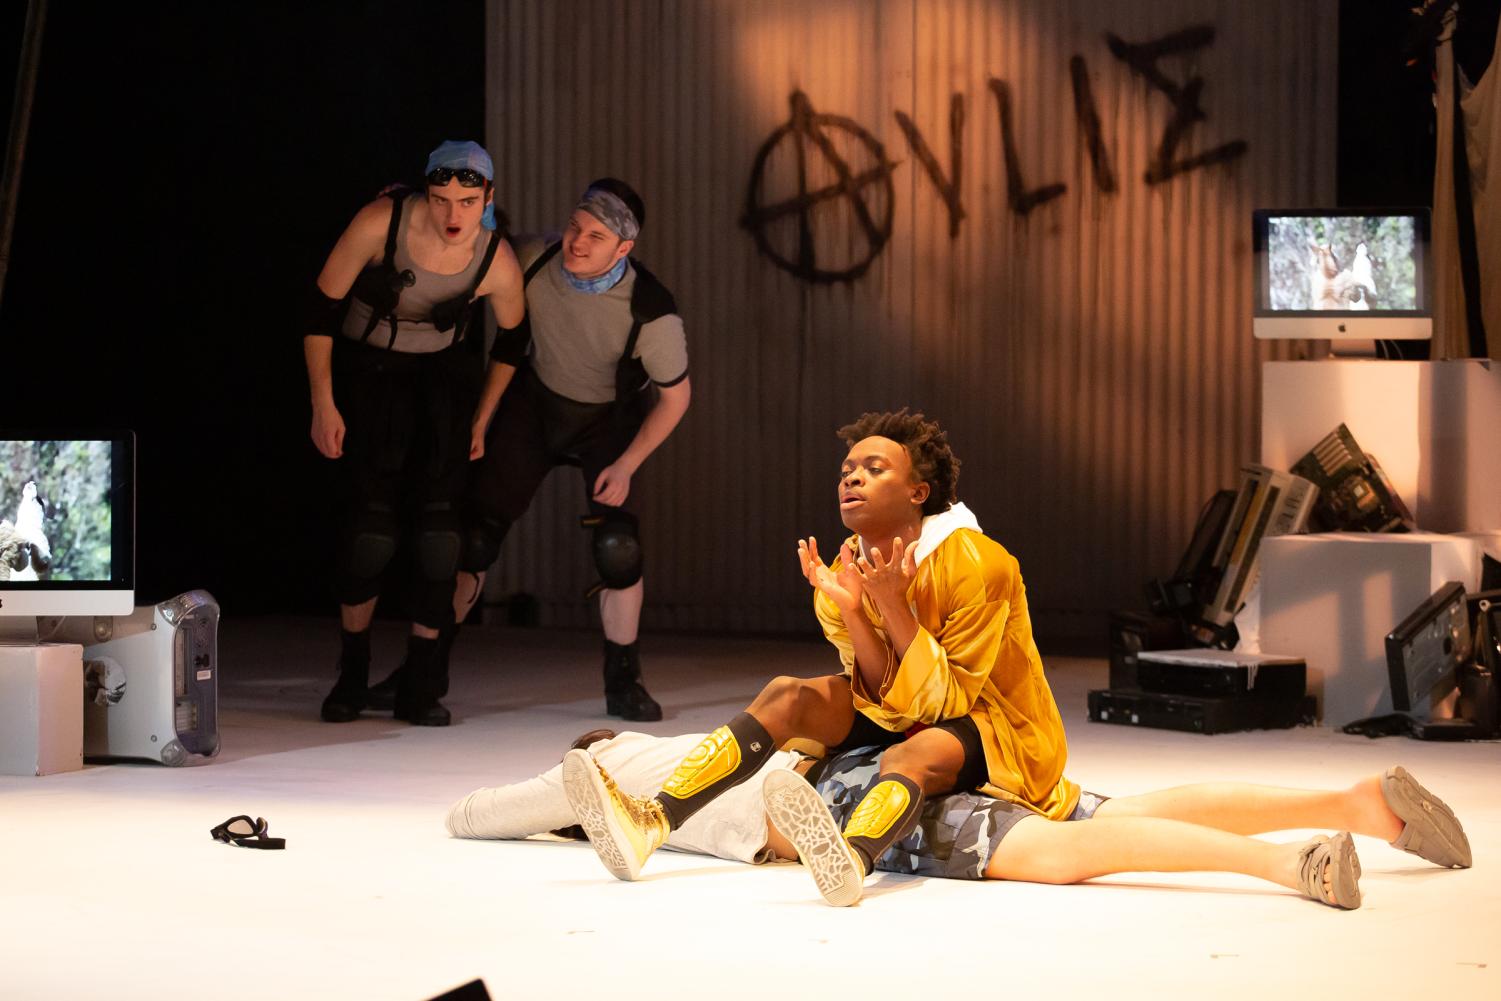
(482, 539)
(616, 549)
(438, 543)
(369, 544)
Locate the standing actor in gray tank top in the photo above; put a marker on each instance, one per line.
(394, 361)
(605, 384)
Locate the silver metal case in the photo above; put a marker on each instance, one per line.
(151, 680)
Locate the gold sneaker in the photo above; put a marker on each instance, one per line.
(623, 829)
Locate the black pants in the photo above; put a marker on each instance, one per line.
(533, 431)
(404, 468)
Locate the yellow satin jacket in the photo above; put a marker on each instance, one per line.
(973, 656)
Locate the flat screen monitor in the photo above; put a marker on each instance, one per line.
(67, 522)
(1342, 274)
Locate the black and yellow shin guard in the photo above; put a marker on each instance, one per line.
(726, 758)
(885, 816)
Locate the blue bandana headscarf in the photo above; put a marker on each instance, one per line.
(597, 284)
(456, 155)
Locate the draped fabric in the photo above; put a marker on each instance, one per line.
(1480, 108)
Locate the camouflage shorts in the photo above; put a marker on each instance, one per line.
(956, 835)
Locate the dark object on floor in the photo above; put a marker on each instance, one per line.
(1208, 691)
(523, 610)
(1426, 648)
(244, 832)
(1222, 673)
(472, 991)
(1450, 641)
(1196, 714)
(1390, 725)
(1133, 632)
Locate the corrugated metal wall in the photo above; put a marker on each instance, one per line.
(1092, 358)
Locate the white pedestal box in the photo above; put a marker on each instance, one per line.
(1332, 598)
(41, 708)
(1435, 427)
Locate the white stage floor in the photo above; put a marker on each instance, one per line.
(110, 886)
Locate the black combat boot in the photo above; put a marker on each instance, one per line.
(382, 696)
(625, 695)
(347, 699)
(419, 685)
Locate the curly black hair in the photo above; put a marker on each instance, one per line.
(927, 446)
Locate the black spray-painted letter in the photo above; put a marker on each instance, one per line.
(1186, 111)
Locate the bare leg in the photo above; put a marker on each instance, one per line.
(356, 618)
(1039, 850)
(466, 591)
(620, 612)
(932, 759)
(1242, 808)
(820, 709)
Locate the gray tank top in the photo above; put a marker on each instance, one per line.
(415, 333)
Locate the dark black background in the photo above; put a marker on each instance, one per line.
(189, 166)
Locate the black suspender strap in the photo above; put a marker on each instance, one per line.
(479, 276)
(389, 264)
(542, 258)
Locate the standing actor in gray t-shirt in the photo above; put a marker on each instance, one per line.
(604, 384)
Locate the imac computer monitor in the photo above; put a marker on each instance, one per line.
(67, 523)
(1342, 274)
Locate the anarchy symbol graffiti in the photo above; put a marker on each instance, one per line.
(785, 229)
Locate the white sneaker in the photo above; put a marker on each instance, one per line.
(797, 810)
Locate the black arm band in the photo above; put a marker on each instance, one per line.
(511, 343)
(324, 315)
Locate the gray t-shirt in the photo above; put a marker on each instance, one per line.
(578, 337)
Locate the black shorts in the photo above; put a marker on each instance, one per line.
(535, 429)
(406, 422)
(867, 733)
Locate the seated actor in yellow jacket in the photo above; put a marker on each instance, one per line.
(939, 667)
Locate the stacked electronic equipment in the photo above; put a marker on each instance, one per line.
(1446, 654)
(1175, 667)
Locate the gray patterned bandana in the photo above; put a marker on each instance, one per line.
(610, 210)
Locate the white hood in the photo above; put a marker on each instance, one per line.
(936, 528)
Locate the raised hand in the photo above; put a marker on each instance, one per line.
(886, 582)
(844, 587)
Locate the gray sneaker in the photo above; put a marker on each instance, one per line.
(1432, 831)
(795, 808)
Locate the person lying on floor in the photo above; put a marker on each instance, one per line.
(972, 836)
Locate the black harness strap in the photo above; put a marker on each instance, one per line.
(467, 297)
(542, 258)
(389, 266)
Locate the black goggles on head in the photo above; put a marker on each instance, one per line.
(466, 177)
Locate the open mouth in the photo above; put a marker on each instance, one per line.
(453, 231)
(850, 500)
